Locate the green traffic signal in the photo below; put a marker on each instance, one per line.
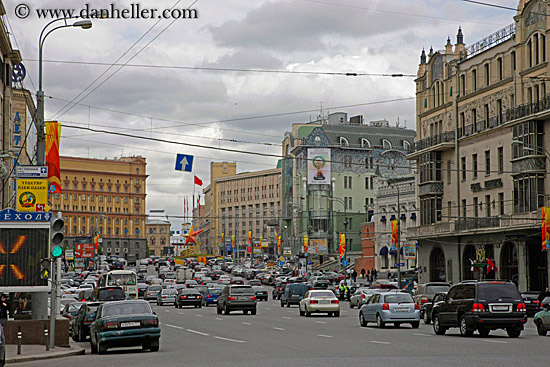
(57, 251)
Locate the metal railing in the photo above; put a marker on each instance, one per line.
(492, 40)
(466, 224)
(428, 142)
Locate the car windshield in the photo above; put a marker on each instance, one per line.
(122, 279)
(433, 289)
(74, 307)
(155, 288)
(111, 294)
(322, 294)
(169, 291)
(242, 290)
(214, 290)
(398, 298)
(496, 291)
(130, 308)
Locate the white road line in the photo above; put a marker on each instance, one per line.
(230, 340)
(197, 332)
(495, 341)
(321, 322)
(324, 336)
(166, 310)
(198, 315)
(174, 326)
(278, 328)
(217, 318)
(245, 323)
(422, 334)
(531, 328)
(181, 313)
(379, 342)
(286, 317)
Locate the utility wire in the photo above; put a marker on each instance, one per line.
(491, 5)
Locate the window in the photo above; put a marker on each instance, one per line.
(366, 183)
(530, 51)
(528, 193)
(487, 163)
(474, 116)
(449, 172)
(536, 42)
(463, 84)
(501, 203)
(462, 121)
(474, 165)
(513, 57)
(500, 159)
(463, 165)
(487, 75)
(499, 68)
(430, 167)
(474, 80)
(543, 46)
(487, 205)
(430, 209)
(365, 143)
(344, 142)
(464, 208)
(476, 208)
(530, 134)
(108, 199)
(386, 144)
(500, 116)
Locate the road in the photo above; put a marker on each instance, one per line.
(280, 337)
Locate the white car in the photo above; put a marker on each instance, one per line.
(319, 301)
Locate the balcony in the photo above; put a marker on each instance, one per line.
(528, 109)
(440, 142)
(529, 164)
(430, 188)
(467, 224)
(435, 229)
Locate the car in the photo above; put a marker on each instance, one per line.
(85, 294)
(319, 301)
(293, 294)
(152, 292)
(237, 298)
(426, 291)
(319, 284)
(83, 320)
(125, 324)
(390, 307)
(255, 282)
(360, 297)
(142, 268)
(70, 310)
(190, 283)
(188, 297)
(142, 288)
(532, 303)
(261, 292)
(279, 289)
(542, 318)
(237, 280)
(167, 295)
(103, 294)
(427, 307)
(211, 297)
(481, 306)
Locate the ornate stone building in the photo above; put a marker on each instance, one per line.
(482, 111)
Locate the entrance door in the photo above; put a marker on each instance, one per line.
(509, 262)
(437, 266)
(538, 266)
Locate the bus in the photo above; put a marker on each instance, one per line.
(126, 279)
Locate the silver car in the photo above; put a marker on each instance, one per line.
(390, 307)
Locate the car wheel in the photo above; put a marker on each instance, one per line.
(379, 321)
(175, 305)
(101, 348)
(426, 318)
(541, 329)
(336, 314)
(308, 314)
(253, 312)
(484, 332)
(218, 310)
(438, 329)
(513, 332)
(226, 310)
(302, 313)
(463, 326)
(362, 320)
(200, 306)
(287, 304)
(415, 324)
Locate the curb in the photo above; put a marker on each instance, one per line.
(74, 351)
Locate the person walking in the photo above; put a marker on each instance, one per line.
(354, 275)
(363, 273)
(4, 309)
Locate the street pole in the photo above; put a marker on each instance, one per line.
(53, 302)
(398, 238)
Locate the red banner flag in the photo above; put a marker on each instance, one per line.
(545, 211)
(198, 181)
(342, 249)
(394, 236)
(53, 135)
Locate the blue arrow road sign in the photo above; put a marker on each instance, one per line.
(281, 263)
(345, 262)
(399, 264)
(184, 163)
(309, 262)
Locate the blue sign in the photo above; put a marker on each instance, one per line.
(10, 215)
(184, 163)
(399, 264)
(309, 262)
(345, 262)
(228, 247)
(281, 263)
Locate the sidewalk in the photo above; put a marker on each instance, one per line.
(35, 352)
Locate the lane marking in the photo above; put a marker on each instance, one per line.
(245, 323)
(197, 332)
(495, 341)
(166, 310)
(174, 326)
(379, 342)
(321, 322)
(229, 340)
(531, 328)
(198, 315)
(422, 334)
(278, 328)
(324, 336)
(286, 317)
(217, 318)
(181, 313)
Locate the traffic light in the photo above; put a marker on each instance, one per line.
(56, 235)
(45, 267)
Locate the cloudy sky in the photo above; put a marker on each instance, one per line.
(165, 92)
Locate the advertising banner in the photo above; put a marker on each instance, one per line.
(84, 250)
(409, 250)
(342, 250)
(53, 135)
(306, 244)
(394, 236)
(318, 166)
(545, 211)
(32, 195)
(318, 246)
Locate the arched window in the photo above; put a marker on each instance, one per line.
(163, 241)
(344, 142)
(437, 265)
(406, 145)
(365, 143)
(152, 241)
(386, 144)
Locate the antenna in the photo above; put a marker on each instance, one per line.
(397, 123)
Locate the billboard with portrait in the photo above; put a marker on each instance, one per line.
(21, 249)
(318, 166)
(318, 246)
(409, 250)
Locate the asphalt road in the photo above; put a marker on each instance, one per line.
(280, 337)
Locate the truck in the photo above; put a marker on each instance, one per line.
(183, 274)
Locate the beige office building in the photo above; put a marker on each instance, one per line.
(481, 152)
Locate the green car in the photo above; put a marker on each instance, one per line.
(124, 324)
(542, 318)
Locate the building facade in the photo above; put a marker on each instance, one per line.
(481, 150)
(357, 153)
(157, 228)
(105, 197)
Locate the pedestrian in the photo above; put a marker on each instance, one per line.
(363, 273)
(348, 292)
(4, 309)
(354, 275)
(341, 291)
(543, 295)
(375, 274)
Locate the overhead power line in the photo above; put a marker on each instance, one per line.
(489, 4)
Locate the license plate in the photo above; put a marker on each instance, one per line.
(130, 324)
(500, 308)
(401, 310)
(191, 297)
(527, 301)
(243, 298)
(324, 301)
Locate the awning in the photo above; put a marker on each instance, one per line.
(384, 251)
(403, 216)
(383, 219)
(413, 216)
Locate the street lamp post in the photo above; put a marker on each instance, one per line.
(345, 223)
(41, 135)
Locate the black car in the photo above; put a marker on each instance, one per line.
(532, 303)
(188, 297)
(427, 307)
(293, 294)
(142, 288)
(105, 294)
(83, 320)
(425, 292)
(85, 294)
(481, 306)
(237, 298)
(261, 293)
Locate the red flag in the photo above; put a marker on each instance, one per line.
(490, 266)
(193, 210)
(53, 136)
(199, 204)
(198, 181)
